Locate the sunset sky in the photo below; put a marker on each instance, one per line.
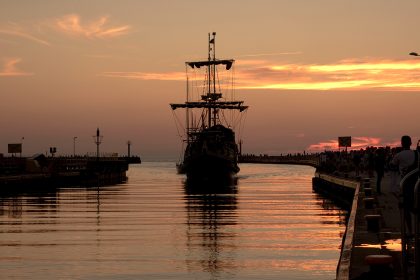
(310, 70)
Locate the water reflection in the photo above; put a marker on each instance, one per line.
(211, 213)
(388, 244)
(333, 209)
(14, 206)
(155, 227)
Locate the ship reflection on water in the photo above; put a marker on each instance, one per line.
(211, 214)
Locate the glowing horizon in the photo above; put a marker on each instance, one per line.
(358, 142)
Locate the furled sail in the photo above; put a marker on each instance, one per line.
(198, 64)
(235, 105)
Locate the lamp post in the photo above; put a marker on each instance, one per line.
(21, 145)
(98, 141)
(414, 54)
(129, 149)
(74, 145)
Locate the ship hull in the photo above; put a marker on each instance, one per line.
(209, 168)
(212, 157)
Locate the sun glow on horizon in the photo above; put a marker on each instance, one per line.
(361, 142)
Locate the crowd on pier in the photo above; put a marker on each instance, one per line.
(367, 162)
(354, 163)
(358, 162)
(372, 161)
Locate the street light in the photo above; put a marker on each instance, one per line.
(414, 54)
(21, 145)
(98, 141)
(74, 145)
(129, 146)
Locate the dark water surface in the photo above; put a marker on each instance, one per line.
(271, 226)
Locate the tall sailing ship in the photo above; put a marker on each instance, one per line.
(211, 116)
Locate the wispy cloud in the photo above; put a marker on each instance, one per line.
(358, 143)
(270, 54)
(69, 24)
(25, 35)
(99, 28)
(10, 70)
(171, 76)
(367, 74)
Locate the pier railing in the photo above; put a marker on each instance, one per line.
(410, 233)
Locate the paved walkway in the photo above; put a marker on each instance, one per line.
(386, 241)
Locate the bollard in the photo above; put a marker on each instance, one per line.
(366, 182)
(373, 222)
(369, 201)
(380, 267)
(368, 191)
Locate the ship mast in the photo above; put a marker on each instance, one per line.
(187, 111)
(210, 97)
(211, 69)
(215, 111)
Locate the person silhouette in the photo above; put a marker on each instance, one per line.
(404, 159)
(379, 163)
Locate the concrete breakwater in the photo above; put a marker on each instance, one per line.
(371, 247)
(43, 172)
(340, 190)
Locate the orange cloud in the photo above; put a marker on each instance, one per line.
(25, 35)
(72, 25)
(368, 74)
(324, 146)
(10, 69)
(344, 75)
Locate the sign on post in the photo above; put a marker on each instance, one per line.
(14, 148)
(344, 141)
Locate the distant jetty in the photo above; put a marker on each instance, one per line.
(297, 159)
(39, 171)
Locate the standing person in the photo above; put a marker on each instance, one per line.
(404, 159)
(370, 161)
(356, 162)
(379, 162)
(395, 174)
(406, 162)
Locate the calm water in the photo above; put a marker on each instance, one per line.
(271, 226)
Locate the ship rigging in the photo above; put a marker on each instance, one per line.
(211, 145)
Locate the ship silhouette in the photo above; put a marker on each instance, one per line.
(211, 151)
